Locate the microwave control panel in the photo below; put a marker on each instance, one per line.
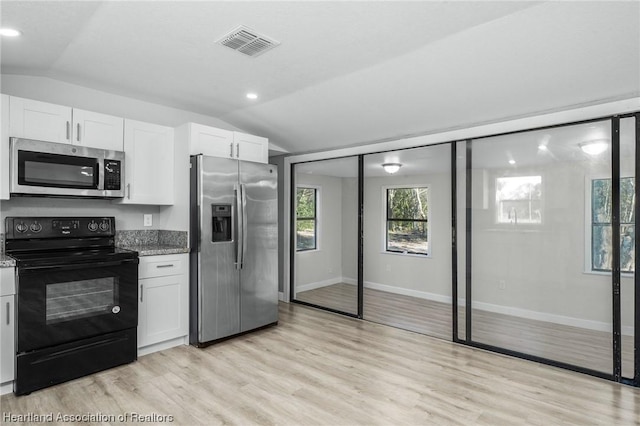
(112, 175)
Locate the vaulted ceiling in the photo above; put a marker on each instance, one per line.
(345, 73)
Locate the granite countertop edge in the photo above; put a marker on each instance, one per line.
(155, 249)
(7, 261)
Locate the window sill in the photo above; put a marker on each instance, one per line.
(307, 251)
(422, 256)
(608, 274)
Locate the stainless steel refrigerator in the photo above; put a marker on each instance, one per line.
(234, 248)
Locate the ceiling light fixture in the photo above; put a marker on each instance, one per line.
(252, 95)
(543, 147)
(594, 147)
(391, 168)
(9, 32)
(512, 162)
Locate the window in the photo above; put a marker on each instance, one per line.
(306, 218)
(519, 199)
(601, 224)
(407, 220)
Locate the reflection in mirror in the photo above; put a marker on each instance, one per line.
(627, 241)
(326, 224)
(541, 243)
(407, 240)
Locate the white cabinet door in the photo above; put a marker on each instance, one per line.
(251, 148)
(7, 335)
(43, 121)
(210, 141)
(97, 130)
(39, 120)
(163, 303)
(149, 167)
(4, 147)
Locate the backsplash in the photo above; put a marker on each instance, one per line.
(1, 243)
(147, 237)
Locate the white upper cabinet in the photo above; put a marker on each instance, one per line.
(4, 147)
(210, 141)
(43, 121)
(97, 130)
(149, 165)
(226, 144)
(251, 148)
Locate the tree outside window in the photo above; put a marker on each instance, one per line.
(407, 221)
(601, 240)
(519, 199)
(306, 218)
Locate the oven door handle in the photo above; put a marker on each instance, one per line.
(75, 266)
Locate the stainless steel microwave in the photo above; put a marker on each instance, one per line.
(63, 170)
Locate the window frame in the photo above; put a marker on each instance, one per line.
(497, 201)
(317, 190)
(588, 223)
(385, 220)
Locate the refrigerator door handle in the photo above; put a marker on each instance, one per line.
(239, 224)
(243, 190)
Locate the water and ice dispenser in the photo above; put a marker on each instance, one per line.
(221, 223)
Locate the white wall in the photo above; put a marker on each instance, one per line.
(350, 230)
(322, 267)
(58, 92)
(539, 270)
(127, 217)
(420, 276)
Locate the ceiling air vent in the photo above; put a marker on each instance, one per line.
(247, 41)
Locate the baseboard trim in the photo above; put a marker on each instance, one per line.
(483, 306)
(318, 284)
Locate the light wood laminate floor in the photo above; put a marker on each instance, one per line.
(572, 345)
(319, 368)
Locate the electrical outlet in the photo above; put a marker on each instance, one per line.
(147, 219)
(502, 284)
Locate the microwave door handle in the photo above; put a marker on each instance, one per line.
(78, 133)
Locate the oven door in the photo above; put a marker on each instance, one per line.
(61, 304)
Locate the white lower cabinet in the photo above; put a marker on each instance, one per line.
(7, 329)
(163, 302)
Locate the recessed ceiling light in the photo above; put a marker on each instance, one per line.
(252, 95)
(9, 32)
(512, 162)
(543, 147)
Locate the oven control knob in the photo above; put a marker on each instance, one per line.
(93, 226)
(104, 226)
(22, 227)
(115, 309)
(35, 227)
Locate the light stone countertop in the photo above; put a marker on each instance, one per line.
(155, 249)
(7, 261)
